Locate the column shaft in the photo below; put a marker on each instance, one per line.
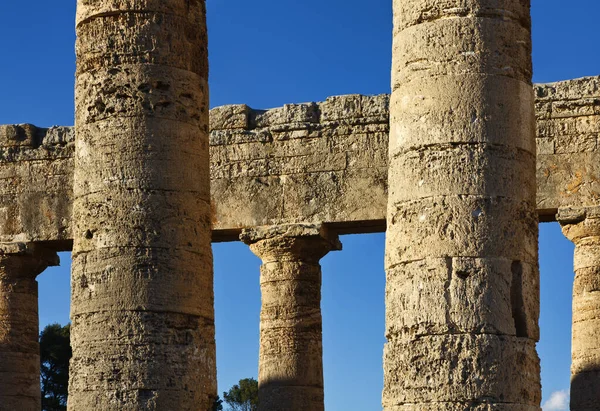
(142, 288)
(462, 293)
(290, 372)
(19, 326)
(583, 228)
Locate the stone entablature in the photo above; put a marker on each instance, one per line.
(36, 184)
(301, 163)
(315, 162)
(568, 130)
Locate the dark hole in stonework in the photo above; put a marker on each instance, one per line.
(164, 104)
(464, 274)
(83, 281)
(20, 134)
(144, 87)
(516, 299)
(89, 235)
(159, 85)
(146, 395)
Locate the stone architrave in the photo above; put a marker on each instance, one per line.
(19, 325)
(462, 293)
(142, 286)
(290, 374)
(582, 227)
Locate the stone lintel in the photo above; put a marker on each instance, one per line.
(300, 163)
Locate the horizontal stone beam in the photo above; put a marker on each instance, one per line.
(301, 163)
(36, 180)
(316, 162)
(568, 130)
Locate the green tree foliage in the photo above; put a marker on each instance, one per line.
(243, 396)
(218, 404)
(55, 353)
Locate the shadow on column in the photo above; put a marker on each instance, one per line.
(283, 395)
(585, 392)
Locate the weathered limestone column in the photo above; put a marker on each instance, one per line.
(142, 288)
(19, 325)
(582, 226)
(290, 371)
(462, 293)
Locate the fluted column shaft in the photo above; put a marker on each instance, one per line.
(19, 325)
(290, 375)
(142, 288)
(462, 293)
(582, 227)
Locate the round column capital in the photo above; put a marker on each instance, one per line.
(309, 242)
(579, 223)
(25, 259)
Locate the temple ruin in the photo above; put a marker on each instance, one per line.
(458, 166)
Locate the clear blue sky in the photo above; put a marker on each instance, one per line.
(265, 54)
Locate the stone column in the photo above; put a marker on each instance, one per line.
(462, 293)
(290, 371)
(142, 287)
(582, 227)
(19, 325)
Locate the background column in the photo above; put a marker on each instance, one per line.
(462, 293)
(582, 226)
(142, 288)
(19, 325)
(290, 374)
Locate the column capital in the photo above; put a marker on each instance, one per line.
(255, 234)
(303, 241)
(579, 222)
(26, 259)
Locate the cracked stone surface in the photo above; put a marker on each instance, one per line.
(462, 290)
(142, 289)
(568, 129)
(314, 162)
(131, 195)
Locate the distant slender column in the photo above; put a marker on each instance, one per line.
(290, 374)
(462, 293)
(19, 325)
(582, 226)
(142, 285)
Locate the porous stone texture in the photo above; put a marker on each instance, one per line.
(142, 289)
(36, 184)
(462, 292)
(568, 129)
(290, 372)
(300, 163)
(304, 163)
(19, 325)
(582, 226)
